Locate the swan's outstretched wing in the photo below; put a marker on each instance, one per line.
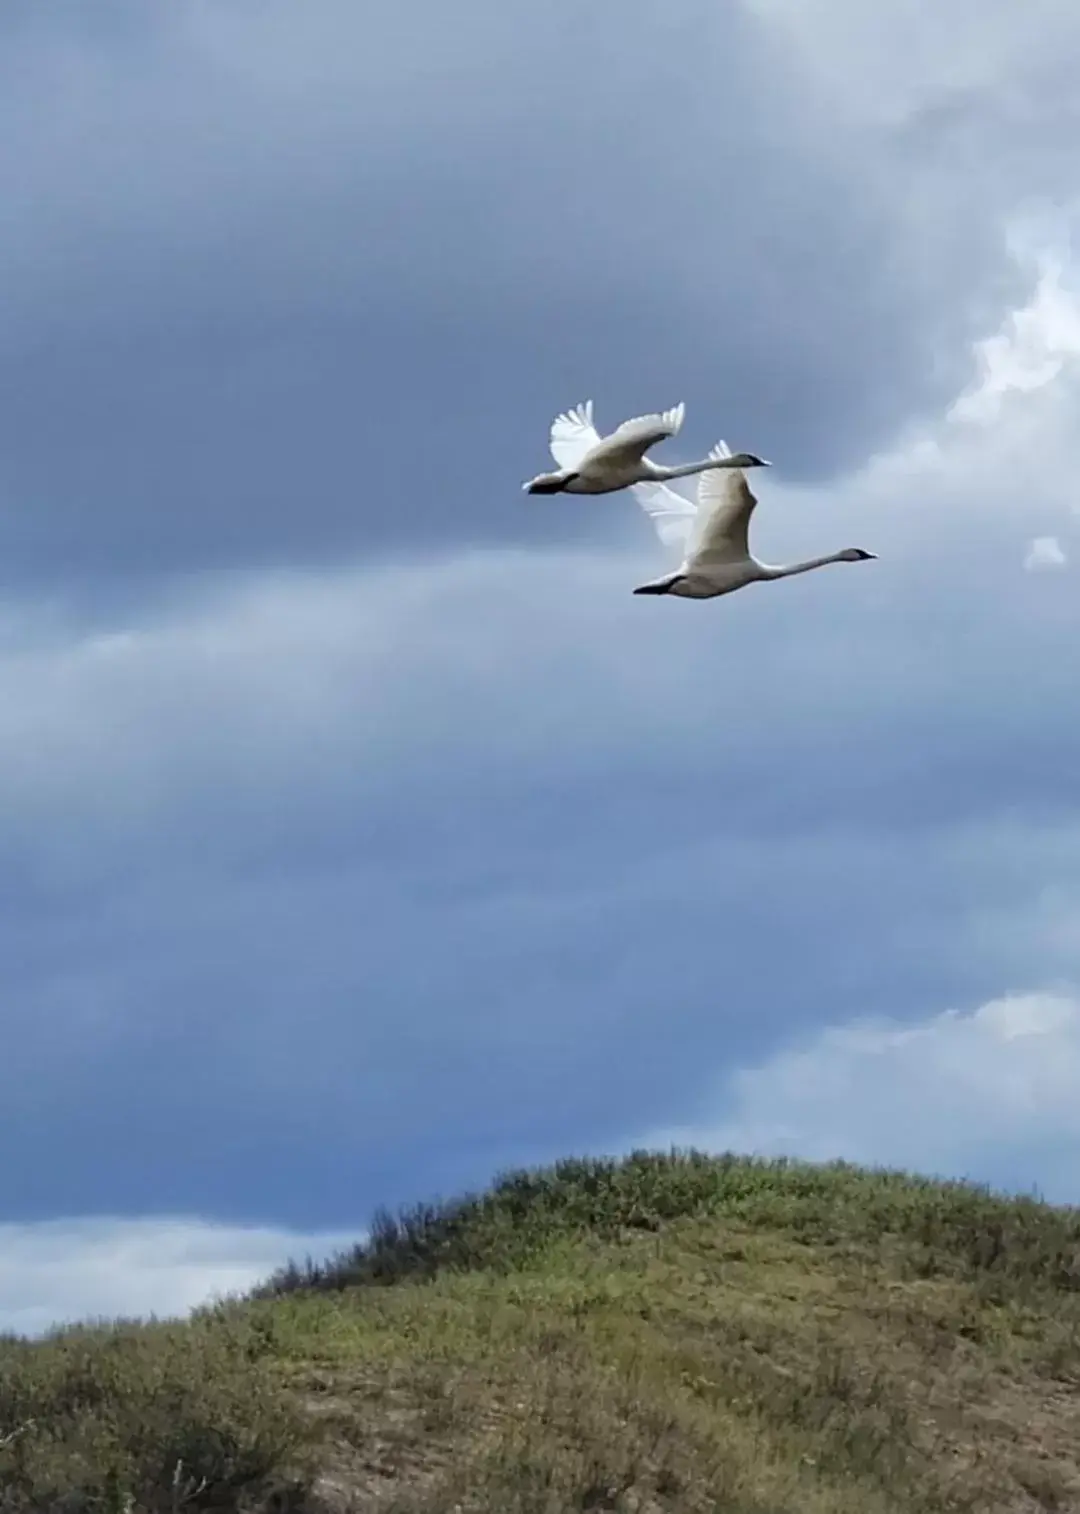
(671, 513)
(573, 435)
(725, 504)
(629, 442)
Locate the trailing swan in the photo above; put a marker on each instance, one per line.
(592, 464)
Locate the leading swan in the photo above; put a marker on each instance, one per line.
(715, 536)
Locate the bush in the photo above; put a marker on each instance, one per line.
(145, 1418)
(948, 1228)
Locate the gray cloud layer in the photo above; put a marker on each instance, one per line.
(334, 881)
(289, 282)
(333, 889)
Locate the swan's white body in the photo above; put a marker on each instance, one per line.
(715, 536)
(593, 464)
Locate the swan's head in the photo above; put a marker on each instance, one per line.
(748, 460)
(546, 483)
(856, 554)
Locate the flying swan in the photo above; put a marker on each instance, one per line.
(715, 536)
(592, 464)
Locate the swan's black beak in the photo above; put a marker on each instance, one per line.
(547, 483)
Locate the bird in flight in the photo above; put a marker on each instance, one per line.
(714, 535)
(592, 464)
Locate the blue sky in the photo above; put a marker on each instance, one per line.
(363, 834)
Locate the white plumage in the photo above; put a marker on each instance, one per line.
(714, 535)
(593, 464)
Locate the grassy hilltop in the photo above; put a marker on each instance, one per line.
(667, 1333)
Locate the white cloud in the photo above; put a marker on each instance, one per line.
(1044, 552)
(1001, 457)
(991, 1094)
(1033, 346)
(60, 1271)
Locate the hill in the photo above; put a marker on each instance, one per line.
(665, 1333)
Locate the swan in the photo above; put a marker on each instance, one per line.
(715, 536)
(592, 464)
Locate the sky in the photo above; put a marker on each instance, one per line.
(363, 835)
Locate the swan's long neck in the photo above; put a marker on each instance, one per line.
(801, 567)
(687, 469)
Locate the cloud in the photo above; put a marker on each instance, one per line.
(1044, 552)
(363, 673)
(1036, 343)
(62, 1271)
(335, 880)
(337, 887)
(989, 1094)
(331, 310)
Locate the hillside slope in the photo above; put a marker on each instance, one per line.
(666, 1333)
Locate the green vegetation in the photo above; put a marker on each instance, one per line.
(669, 1333)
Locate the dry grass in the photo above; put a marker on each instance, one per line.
(666, 1334)
(155, 1417)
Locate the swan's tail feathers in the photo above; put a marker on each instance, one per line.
(660, 585)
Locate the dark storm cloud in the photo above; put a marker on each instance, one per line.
(327, 892)
(325, 888)
(284, 284)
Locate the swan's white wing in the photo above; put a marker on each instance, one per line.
(671, 513)
(629, 442)
(725, 504)
(573, 435)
